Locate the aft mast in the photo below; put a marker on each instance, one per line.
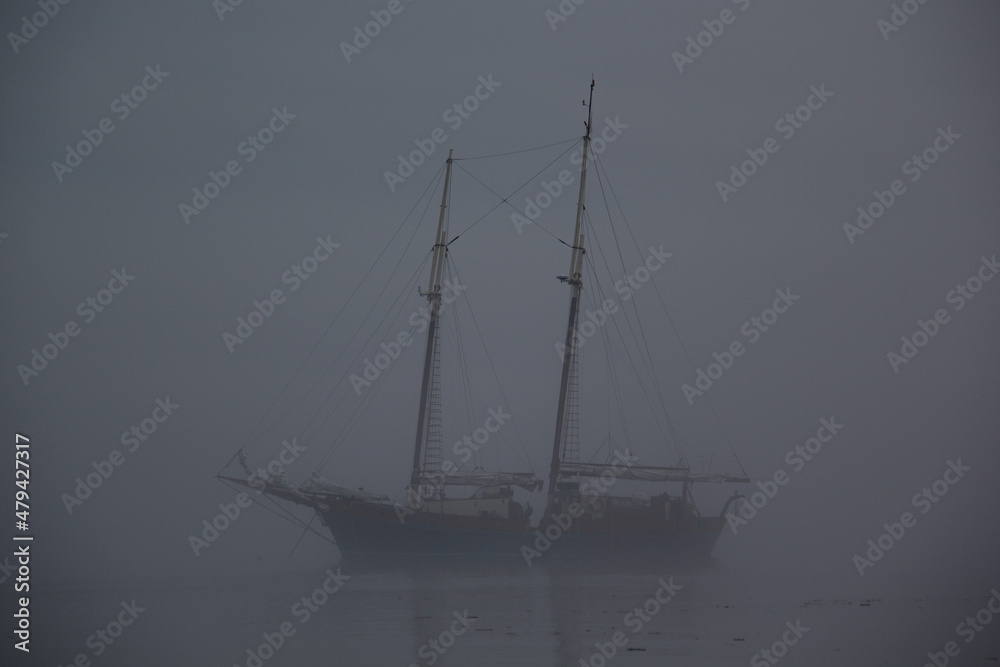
(576, 286)
(433, 295)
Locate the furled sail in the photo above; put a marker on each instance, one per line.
(524, 480)
(645, 473)
(317, 484)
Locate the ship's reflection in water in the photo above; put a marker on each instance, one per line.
(514, 615)
(483, 614)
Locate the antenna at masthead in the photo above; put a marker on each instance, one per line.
(590, 105)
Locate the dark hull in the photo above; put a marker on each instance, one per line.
(380, 533)
(360, 528)
(424, 536)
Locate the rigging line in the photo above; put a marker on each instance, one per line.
(308, 525)
(628, 321)
(613, 387)
(371, 308)
(504, 200)
(525, 150)
(284, 513)
(451, 326)
(360, 326)
(350, 298)
(608, 386)
(471, 383)
(649, 359)
(621, 259)
(479, 454)
(359, 410)
(614, 375)
(513, 421)
(450, 341)
(465, 389)
(479, 394)
(469, 386)
(632, 365)
(466, 376)
(460, 347)
(599, 168)
(294, 374)
(333, 389)
(673, 327)
(352, 422)
(343, 349)
(468, 383)
(355, 416)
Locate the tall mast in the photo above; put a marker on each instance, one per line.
(575, 272)
(433, 295)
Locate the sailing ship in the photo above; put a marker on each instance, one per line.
(582, 518)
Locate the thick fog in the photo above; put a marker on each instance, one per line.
(828, 167)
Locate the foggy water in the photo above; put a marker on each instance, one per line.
(717, 616)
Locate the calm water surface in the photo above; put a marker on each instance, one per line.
(715, 616)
